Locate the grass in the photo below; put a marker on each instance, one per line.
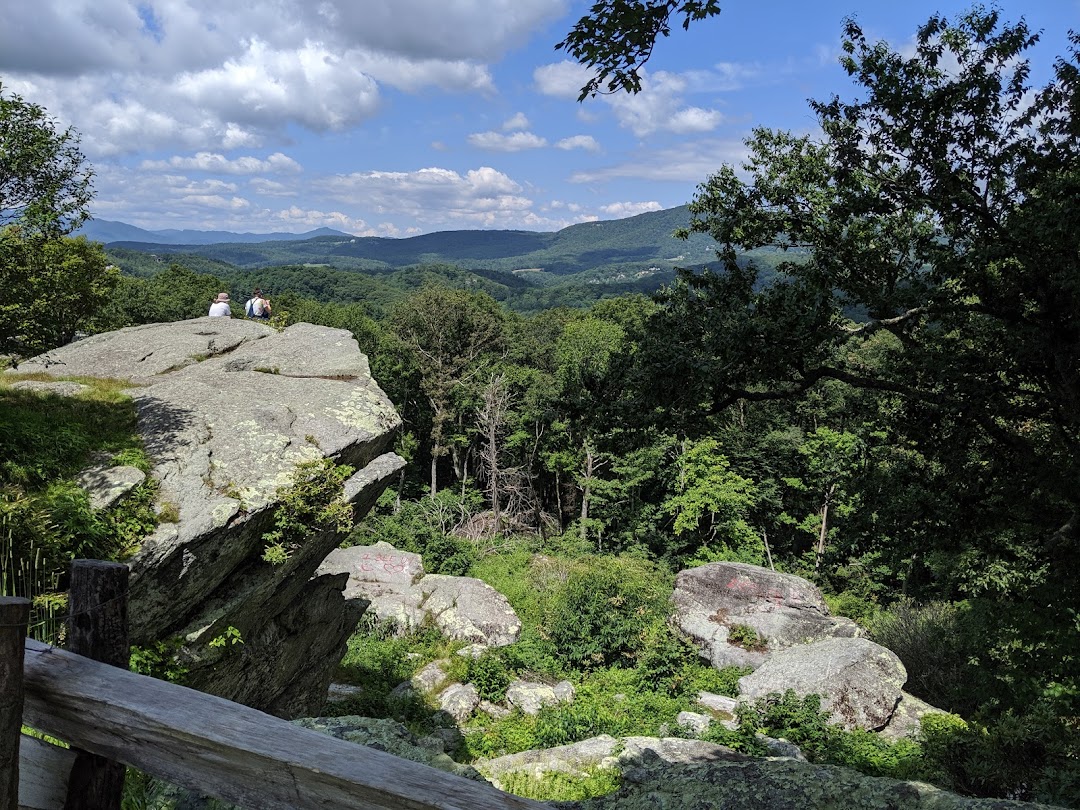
(45, 518)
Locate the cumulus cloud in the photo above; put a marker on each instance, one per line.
(562, 79)
(659, 107)
(621, 210)
(586, 142)
(502, 142)
(482, 197)
(517, 121)
(211, 162)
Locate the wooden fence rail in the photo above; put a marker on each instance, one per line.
(231, 752)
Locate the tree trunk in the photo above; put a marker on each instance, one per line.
(824, 526)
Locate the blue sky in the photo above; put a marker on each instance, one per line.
(398, 117)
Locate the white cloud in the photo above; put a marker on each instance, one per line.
(586, 142)
(271, 188)
(500, 142)
(309, 85)
(562, 79)
(211, 162)
(482, 197)
(518, 121)
(216, 201)
(659, 107)
(690, 162)
(629, 209)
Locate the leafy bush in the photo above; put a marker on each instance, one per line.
(311, 502)
(558, 786)
(742, 635)
(489, 674)
(933, 645)
(601, 614)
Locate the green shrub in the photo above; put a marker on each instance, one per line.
(742, 635)
(311, 502)
(601, 613)
(932, 642)
(489, 674)
(558, 786)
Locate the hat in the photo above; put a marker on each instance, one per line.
(221, 297)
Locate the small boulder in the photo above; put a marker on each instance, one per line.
(859, 681)
(530, 697)
(107, 485)
(696, 724)
(782, 609)
(459, 700)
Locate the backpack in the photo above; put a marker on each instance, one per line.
(249, 308)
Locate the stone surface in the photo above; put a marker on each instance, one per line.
(718, 703)
(907, 717)
(469, 609)
(530, 697)
(430, 677)
(783, 609)
(604, 751)
(696, 724)
(859, 681)
(459, 700)
(107, 485)
(389, 736)
(227, 408)
(463, 608)
(731, 782)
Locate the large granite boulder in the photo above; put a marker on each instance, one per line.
(859, 681)
(653, 778)
(227, 409)
(782, 609)
(394, 584)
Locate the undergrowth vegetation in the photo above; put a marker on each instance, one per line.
(45, 517)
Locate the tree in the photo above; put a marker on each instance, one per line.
(617, 37)
(49, 290)
(45, 184)
(449, 332)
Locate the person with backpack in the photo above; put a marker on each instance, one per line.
(257, 306)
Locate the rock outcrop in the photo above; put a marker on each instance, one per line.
(859, 681)
(227, 408)
(463, 608)
(782, 609)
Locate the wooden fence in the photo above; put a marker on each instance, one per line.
(207, 744)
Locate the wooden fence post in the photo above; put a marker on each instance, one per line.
(14, 617)
(98, 630)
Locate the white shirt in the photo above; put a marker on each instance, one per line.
(219, 308)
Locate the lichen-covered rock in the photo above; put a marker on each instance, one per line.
(859, 681)
(782, 609)
(530, 697)
(107, 485)
(738, 783)
(463, 608)
(906, 720)
(469, 609)
(459, 700)
(692, 722)
(227, 408)
(389, 736)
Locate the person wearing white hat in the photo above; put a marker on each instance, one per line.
(220, 307)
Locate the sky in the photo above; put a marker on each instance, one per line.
(400, 117)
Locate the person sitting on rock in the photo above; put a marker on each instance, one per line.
(257, 306)
(220, 308)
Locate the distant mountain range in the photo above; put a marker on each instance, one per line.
(107, 231)
(622, 248)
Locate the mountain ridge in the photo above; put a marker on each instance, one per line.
(644, 242)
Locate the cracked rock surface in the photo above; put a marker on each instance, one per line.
(227, 408)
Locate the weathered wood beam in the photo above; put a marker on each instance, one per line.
(229, 751)
(14, 618)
